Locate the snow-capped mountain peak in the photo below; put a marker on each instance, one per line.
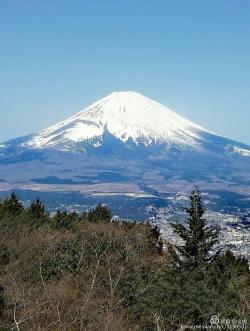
(125, 144)
(126, 115)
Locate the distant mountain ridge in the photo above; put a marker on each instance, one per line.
(129, 136)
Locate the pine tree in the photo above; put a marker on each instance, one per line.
(37, 213)
(12, 205)
(156, 238)
(64, 220)
(198, 238)
(37, 209)
(100, 213)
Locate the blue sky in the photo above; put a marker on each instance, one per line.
(58, 56)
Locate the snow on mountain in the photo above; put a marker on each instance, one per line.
(126, 116)
(125, 144)
(241, 151)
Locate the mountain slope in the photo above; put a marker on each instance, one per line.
(127, 116)
(130, 118)
(128, 144)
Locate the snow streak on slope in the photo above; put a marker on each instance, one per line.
(125, 115)
(241, 151)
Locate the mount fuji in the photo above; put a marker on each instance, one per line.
(125, 145)
(127, 116)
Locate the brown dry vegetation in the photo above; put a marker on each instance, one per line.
(78, 279)
(82, 272)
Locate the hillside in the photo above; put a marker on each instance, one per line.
(82, 272)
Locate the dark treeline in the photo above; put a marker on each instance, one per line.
(75, 272)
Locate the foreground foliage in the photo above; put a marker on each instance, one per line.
(84, 272)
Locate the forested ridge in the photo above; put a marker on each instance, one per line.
(73, 272)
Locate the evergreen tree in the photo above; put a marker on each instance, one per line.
(198, 238)
(156, 238)
(228, 267)
(37, 213)
(100, 213)
(37, 209)
(64, 220)
(12, 205)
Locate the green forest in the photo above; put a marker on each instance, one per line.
(70, 271)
